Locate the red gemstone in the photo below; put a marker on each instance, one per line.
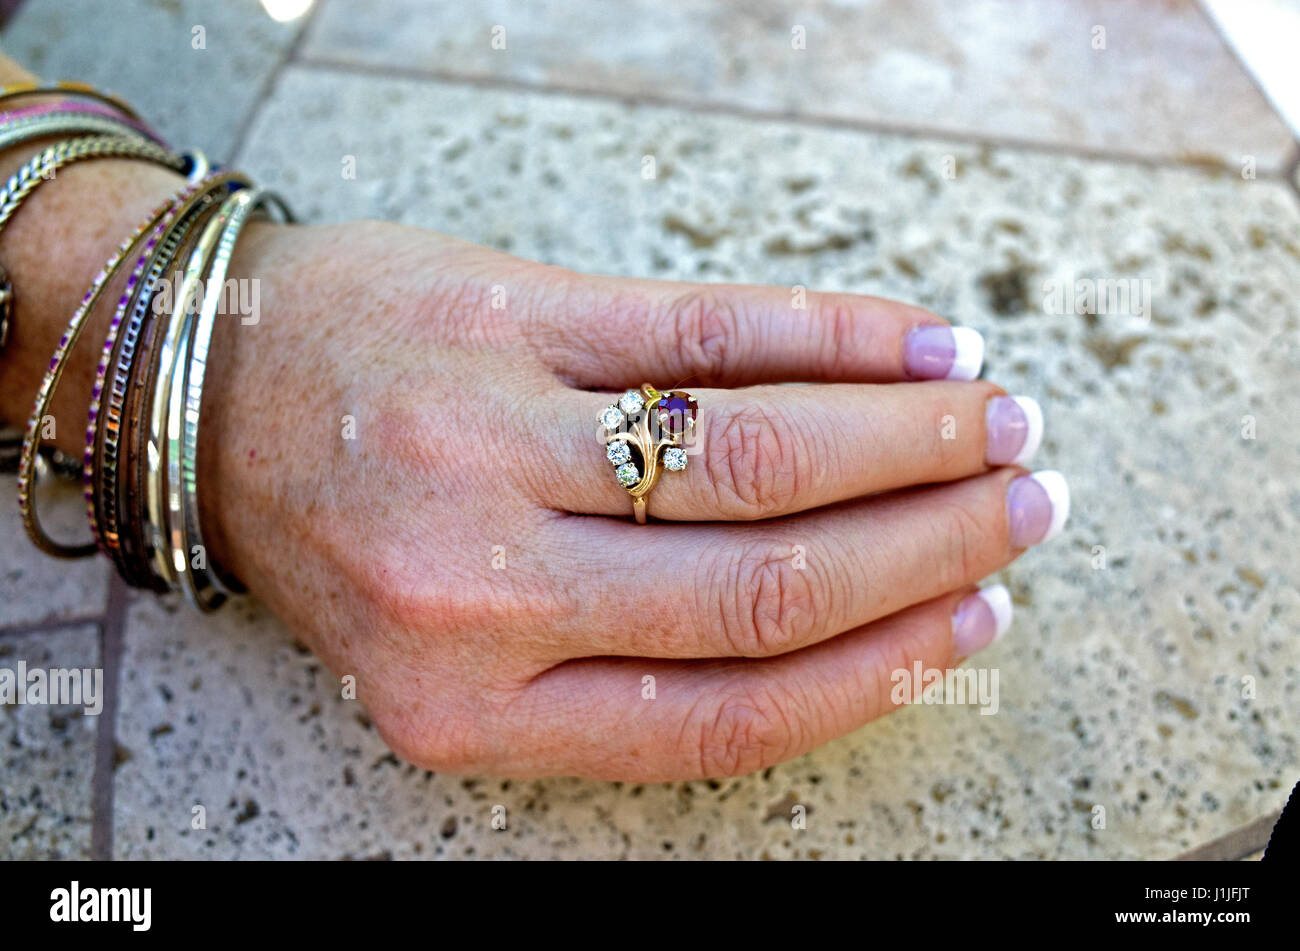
(674, 409)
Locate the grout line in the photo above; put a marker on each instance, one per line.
(101, 829)
(1292, 171)
(812, 120)
(50, 624)
(1237, 844)
(264, 93)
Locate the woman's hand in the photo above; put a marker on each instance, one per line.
(401, 458)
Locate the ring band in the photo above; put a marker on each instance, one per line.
(644, 432)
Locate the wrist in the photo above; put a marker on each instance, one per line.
(237, 438)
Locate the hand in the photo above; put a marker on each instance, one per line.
(407, 403)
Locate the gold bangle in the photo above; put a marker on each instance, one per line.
(70, 87)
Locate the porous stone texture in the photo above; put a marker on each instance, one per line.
(47, 754)
(35, 587)
(1125, 728)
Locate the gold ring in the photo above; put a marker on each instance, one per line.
(644, 432)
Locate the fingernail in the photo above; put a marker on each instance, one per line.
(1014, 429)
(943, 353)
(1037, 507)
(980, 619)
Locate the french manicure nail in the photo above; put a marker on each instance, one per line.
(1014, 429)
(980, 619)
(943, 353)
(1037, 507)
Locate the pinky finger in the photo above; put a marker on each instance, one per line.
(657, 720)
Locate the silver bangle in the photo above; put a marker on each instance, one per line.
(18, 131)
(161, 482)
(205, 587)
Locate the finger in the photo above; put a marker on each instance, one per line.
(758, 590)
(656, 720)
(767, 451)
(607, 333)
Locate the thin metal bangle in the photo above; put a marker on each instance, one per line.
(41, 167)
(121, 465)
(17, 131)
(70, 88)
(207, 589)
(72, 107)
(138, 535)
(163, 422)
(50, 382)
(103, 430)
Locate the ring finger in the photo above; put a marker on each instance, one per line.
(768, 451)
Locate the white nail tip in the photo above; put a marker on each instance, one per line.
(998, 598)
(1034, 435)
(968, 357)
(1058, 493)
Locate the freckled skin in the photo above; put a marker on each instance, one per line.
(400, 458)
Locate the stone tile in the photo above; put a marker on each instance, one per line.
(1164, 85)
(145, 51)
(35, 586)
(1122, 682)
(48, 760)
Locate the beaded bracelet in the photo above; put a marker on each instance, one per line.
(45, 394)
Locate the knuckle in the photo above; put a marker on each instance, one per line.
(752, 462)
(446, 741)
(840, 325)
(705, 330)
(767, 606)
(748, 729)
(963, 541)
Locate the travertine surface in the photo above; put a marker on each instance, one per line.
(47, 754)
(35, 587)
(1152, 669)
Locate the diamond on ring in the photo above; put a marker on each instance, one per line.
(611, 417)
(618, 453)
(627, 474)
(675, 459)
(631, 402)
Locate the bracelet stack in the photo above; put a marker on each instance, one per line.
(141, 453)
